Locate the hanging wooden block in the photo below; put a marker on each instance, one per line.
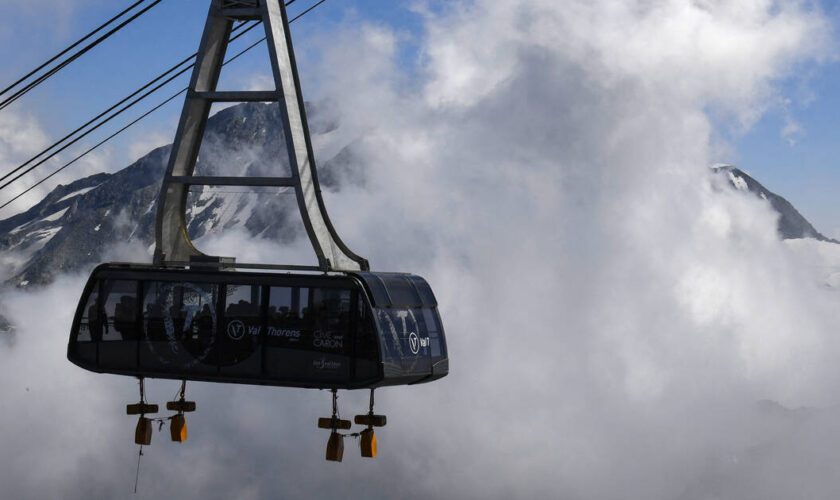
(335, 447)
(143, 432)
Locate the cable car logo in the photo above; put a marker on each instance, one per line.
(236, 329)
(324, 364)
(404, 329)
(195, 335)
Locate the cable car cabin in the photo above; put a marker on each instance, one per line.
(348, 330)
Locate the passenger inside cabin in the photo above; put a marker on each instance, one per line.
(124, 317)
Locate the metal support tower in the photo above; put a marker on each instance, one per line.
(172, 241)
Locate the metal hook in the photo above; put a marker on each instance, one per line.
(142, 390)
(371, 401)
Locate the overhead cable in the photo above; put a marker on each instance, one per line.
(71, 47)
(17, 95)
(135, 121)
(115, 106)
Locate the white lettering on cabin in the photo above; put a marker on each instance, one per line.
(327, 340)
(292, 335)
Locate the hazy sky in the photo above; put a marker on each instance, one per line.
(620, 324)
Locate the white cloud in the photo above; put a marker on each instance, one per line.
(260, 81)
(792, 131)
(19, 16)
(613, 313)
(148, 141)
(22, 137)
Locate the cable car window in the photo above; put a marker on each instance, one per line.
(432, 321)
(279, 302)
(180, 323)
(377, 290)
(287, 336)
(285, 317)
(88, 322)
(401, 291)
(120, 308)
(367, 346)
(331, 319)
(329, 309)
(302, 304)
(424, 290)
(240, 337)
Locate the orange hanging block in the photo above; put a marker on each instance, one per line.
(143, 432)
(335, 447)
(368, 443)
(178, 428)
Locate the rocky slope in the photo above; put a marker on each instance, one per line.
(72, 226)
(792, 225)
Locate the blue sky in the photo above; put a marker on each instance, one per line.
(801, 167)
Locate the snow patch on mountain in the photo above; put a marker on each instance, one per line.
(738, 181)
(78, 193)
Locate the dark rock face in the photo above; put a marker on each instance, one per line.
(72, 226)
(792, 225)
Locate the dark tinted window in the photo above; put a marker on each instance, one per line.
(401, 291)
(366, 345)
(120, 309)
(308, 333)
(432, 323)
(287, 326)
(88, 322)
(404, 341)
(331, 320)
(240, 337)
(377, 289)
(180, 322)
(424, 290)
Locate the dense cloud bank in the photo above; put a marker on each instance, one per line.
(620, 324)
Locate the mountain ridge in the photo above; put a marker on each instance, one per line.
(70, 228)
(791, 224)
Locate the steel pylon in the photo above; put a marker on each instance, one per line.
(173, 244)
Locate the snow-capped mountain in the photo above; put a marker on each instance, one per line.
(792, 225)
(71, 227)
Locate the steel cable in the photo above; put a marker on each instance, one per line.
(17, 95)
(132, 123)
(100, 115)
(71, 47)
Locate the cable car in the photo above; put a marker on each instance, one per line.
(333, 331)
(191, 316)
